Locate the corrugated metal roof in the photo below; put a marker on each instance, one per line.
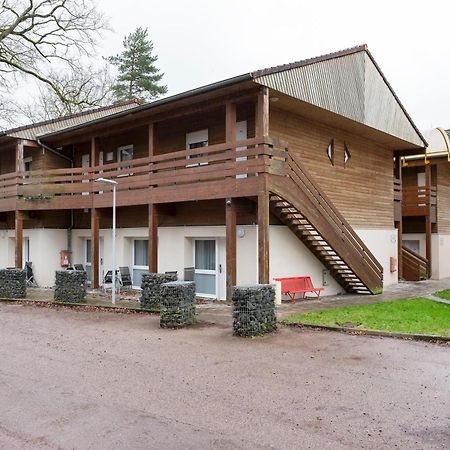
(31, 131)
(348, 83)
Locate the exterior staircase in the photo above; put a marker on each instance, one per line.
(301, 205)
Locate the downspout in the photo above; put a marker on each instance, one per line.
(69, 230)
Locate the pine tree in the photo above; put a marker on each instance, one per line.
(138, 76)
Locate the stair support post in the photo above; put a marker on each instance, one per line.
(263, 237)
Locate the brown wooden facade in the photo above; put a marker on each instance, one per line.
(314, 171)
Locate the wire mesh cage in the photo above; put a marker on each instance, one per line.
(254, 310)
(177, 306)
(70, 286)
(13, 283)
(151, 288)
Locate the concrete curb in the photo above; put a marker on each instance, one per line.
(85, 306)
(408, 336)
(438, 299)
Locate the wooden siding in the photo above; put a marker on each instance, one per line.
(443, 196)
(362, 189)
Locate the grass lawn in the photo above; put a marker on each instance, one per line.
(417, 315)
(443, 294)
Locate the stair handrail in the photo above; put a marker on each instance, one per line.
(415, 254)
(316, 191)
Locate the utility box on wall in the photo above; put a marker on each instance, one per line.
(393, 264)
(64, 258)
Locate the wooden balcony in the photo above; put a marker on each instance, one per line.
(419, 201)
(225, 170)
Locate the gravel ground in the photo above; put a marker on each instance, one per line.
(73, 379)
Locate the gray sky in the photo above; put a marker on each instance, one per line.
(199, 42)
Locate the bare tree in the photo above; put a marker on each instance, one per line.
(41, 38)
(83, 88)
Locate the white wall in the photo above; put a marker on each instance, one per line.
(45, 245)
(289, 257)
(383, 245)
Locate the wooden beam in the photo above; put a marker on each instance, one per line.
(19, 240)
(262, 113)
(153, 238)
(230, 122)
(95, 248)
(399, 226)
(230, 219)
(263, 237)
(19, 155)
(152, 138)
(428, 221)
(94, 152)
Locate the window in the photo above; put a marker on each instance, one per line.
(125, 154)
(330, 152)
(140, 260)
(347, 155)
(197, 139)
(27, 166)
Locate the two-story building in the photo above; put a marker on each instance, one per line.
(280, 172)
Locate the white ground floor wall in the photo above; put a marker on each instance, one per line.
(440, 251)
(288, 256)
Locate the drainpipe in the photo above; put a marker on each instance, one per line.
(69, 230)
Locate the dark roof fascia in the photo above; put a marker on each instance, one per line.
(156, 103)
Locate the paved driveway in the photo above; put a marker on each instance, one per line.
(98, 380)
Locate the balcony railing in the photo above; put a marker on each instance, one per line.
(208, 172)
(419, 201)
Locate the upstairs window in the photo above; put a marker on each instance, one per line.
(197, 139)
(124, 154)
(347, 155)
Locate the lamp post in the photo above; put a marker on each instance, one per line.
(114, 185)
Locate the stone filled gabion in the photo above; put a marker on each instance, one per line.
(151, 288)
(254, 310)
(177, 304)
(70, 286)
(13, 283)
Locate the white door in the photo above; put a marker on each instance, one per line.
(206, 267)
(85, 163)
(88, 261)
(26, 251)
(241, 134)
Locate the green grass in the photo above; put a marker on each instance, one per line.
(443, 294)
(416, 316)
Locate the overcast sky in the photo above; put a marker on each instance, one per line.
(199, 42)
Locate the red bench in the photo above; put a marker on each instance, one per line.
(298, 285)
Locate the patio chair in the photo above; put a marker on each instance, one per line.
(29, 274)
(189, 273)
(79, 267)
(125, 277)
(107, 279)
(171, 272)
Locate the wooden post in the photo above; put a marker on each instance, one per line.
(262, 113)
(94, 152)
(152, 139)
(428, 219)
(263, 237)
(230, 122)
(95, 248)
(230, 219)
(153, 238)
(399, 224)
(19, 155)
(19, 240)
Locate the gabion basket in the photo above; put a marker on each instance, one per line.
(254, 310)
(151, 288)
(70, 286)
(177, 307)
(13, 283)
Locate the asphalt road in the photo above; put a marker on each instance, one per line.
(99, 380)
